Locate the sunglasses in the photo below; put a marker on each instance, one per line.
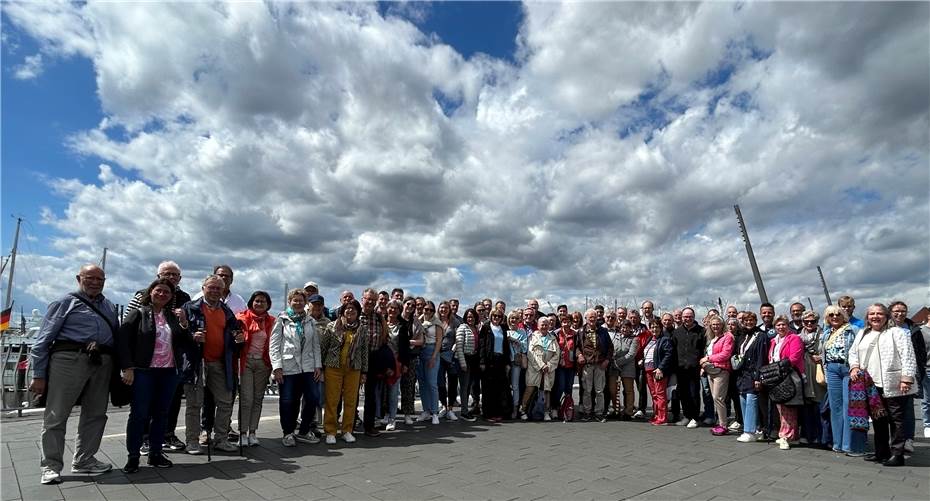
(808, 321)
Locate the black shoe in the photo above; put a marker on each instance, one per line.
(873, 458)
(174, 444)
(372, 433)
(600, 419)
(160, 460)
(469, 417)
(624, 417)
(132, 465)
(896, 460)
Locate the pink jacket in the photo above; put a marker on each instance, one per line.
(792, 349)
(721, 352)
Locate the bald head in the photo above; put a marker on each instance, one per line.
(90, 280)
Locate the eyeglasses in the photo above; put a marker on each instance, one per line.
(808, 321)
(831, 315)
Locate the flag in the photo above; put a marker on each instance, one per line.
(5, 318)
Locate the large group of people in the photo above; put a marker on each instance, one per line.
(799, 378)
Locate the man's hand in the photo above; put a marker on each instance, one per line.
(37, 386)
(128, 376)
(278, 375)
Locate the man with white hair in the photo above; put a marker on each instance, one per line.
(170, 271)
(595, 351)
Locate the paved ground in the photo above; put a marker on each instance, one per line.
(479, 460)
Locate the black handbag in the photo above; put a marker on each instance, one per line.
(785, 390)
(772, 374)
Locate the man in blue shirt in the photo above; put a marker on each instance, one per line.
(73, 358)
(849, 305)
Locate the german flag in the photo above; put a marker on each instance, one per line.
(5, 318)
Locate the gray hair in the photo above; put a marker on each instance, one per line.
(168, 264)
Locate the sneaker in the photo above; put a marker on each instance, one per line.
(692, 424)
(385, 420)
(289, 440)
(232, 435)
(193, 448)
(760, 437)
(523, 416)
(173, 443)
(50, 476)
(243, 440)
(784, 445)
(718, 431)
(225, 446)
(145, 447)
(330, 439)
(926, 431)
(408, 420)
(736, 426)
(600, 419)
(443, 413)
(745, 437)
(204, 438)
(348, 437)
(469, 417)
(909, 445)
(92, 467)
(253, 440)
(683, 422)
(547, 417)
(390, 427)
(435, 419)
(160, 460)
(132, 466)
(451, 415)
(639, 415)
(424, 416)
(307, 438)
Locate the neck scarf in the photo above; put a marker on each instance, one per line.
(297, 318)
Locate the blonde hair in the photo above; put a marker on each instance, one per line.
(834, 309)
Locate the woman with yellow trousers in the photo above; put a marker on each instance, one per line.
(345, 364)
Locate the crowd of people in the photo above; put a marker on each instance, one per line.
(799, 378)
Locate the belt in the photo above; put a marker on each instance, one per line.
(68, 345)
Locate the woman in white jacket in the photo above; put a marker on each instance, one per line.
(540, 373)
(886, 352)
(296, 366)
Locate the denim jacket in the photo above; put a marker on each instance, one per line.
(848, 337)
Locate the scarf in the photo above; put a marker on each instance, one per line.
(297, 318)
(832, 338)
(864, 401)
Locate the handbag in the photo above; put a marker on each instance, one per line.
(736, 361)
(786, 389)
(711, 369)
(819, 375)
(772, 374)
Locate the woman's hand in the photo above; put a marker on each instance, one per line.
(854, 374)
(318, 375)
(658, 375)
(128, 376)
(702, 361)
(905, 386)
(278, 375)
(816, 358)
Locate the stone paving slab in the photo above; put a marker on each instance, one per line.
(614, 460)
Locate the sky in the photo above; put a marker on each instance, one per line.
(561, 151)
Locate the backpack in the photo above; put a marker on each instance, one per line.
(539, 408)
(567, 407)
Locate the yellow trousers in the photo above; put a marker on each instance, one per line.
(340, 384)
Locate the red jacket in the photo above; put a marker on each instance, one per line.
(250, 323)
(792, 349)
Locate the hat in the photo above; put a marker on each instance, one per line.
(315, 298)
(312, 284)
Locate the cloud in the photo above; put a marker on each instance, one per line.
(31, 68)
(334, 143)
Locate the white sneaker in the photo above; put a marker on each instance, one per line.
(784, 445)
(253, 440)
(243, 440)
(692, 424)
(435, 418)
(547, 417)
(443, 413)
(424, 416)
(745, 438)
(390, 427)
(50, 476)
(348, 437)
(639, 415)
(92, 467)
(408, 420)
(780, 441)
(735, 426)
(927, 432)
(330, 439)
(451, 415)
(909, 446)
(760, 437)
(289, 440)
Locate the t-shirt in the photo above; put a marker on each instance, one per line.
(214, 344)
(163, 356)
(346, 344)
(498, 335)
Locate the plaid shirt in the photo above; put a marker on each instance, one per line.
(374, 327)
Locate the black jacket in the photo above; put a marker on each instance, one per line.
(756, 356)
(486, 344)
(690, 344)
(404, 335)
(664, 357)
(136, 341)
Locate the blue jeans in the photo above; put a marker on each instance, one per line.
(844, 438)
(564, 384)
(515, 371)
(294, 388)
(152, 391)
(392, 396)
(428, 379)
(749, 403)
(708, 398)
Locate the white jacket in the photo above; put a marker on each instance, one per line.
(286, 350)
(897, 360)
(543, 353)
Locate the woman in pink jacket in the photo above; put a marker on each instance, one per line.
(786, 345)
(717, 367)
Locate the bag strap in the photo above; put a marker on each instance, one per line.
(93, 308)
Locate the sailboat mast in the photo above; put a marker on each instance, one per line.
(9, 285)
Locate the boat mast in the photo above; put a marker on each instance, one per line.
(9, 285)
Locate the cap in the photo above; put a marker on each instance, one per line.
(312, 284)
(315, 298)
